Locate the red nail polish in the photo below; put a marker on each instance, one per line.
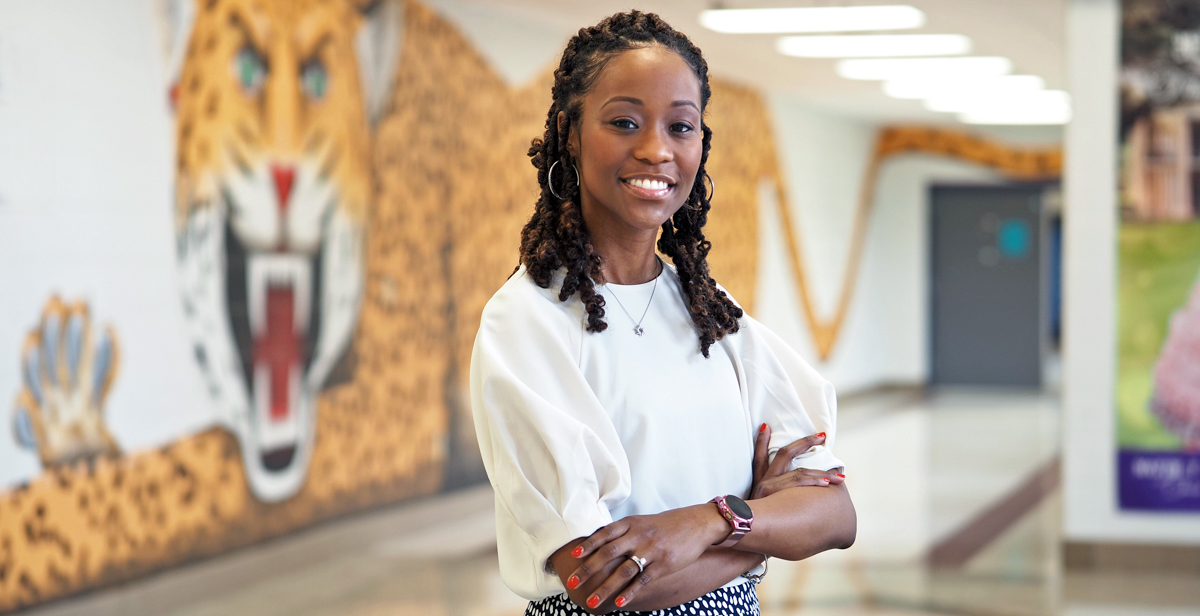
(762, 428)
(572, 582)
(593, 601)
(821, 434)
(577, 552)
(841, 475)
(824, 480)
(620, 601)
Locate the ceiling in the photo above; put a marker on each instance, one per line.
(1029, 32)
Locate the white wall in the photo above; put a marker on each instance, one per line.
(885, 338)
(85, 207)
(1089, 300)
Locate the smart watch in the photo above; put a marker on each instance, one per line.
(738, 514)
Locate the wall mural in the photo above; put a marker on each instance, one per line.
(337, 229)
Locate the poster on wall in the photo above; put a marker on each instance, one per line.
(1158, 383)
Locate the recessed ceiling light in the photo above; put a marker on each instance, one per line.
(813, 19)
(924, 68)
(936, 87)
(873, 45)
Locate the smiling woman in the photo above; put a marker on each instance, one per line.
(582, 429)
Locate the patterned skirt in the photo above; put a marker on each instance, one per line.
(740, 600)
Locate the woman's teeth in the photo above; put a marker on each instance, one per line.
(648, 184)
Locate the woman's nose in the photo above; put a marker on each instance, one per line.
(654, 148)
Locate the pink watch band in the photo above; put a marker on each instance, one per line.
(739, 525)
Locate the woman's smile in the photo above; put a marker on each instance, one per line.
(650, 187)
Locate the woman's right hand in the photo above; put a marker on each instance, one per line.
(771, 476)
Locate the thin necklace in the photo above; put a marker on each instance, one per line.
(637, 325)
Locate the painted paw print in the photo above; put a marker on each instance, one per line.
(67, 371)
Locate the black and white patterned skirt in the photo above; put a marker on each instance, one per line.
(740, 600)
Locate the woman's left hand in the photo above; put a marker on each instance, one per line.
(669, 541)
(771, 476)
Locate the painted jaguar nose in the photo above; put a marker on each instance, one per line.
(284, 176)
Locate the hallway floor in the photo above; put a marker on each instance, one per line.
(958, 508)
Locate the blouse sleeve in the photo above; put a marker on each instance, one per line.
(550, 450)
(788, 395)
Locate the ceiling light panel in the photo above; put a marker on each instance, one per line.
(813, 19)
(873, 45)
(884, 69)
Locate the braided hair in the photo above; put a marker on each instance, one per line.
(556, 236)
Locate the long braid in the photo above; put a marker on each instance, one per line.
(556, 236)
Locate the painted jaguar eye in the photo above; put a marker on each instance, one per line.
(314, 79)
(250, 69)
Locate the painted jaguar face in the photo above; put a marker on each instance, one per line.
(273, 182)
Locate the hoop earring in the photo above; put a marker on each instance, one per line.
(550, 179)
(698, 206)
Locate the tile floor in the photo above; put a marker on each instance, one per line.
(919, 468)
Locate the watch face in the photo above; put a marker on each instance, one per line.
(739, 507)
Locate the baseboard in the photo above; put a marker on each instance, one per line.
(1084, 556)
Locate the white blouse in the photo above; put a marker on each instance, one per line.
(579, 429)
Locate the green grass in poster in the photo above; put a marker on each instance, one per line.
(1159, 264)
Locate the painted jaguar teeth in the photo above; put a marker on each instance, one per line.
(289, 270)
(648, 184)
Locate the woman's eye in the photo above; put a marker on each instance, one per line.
(249, 69)
(624, 123)
(314, 79)
(682, 127)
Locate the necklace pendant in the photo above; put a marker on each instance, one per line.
(637, 329)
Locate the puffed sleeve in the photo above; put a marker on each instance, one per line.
(549, 448)
(785, 392)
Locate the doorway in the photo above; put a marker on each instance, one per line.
(988, 285)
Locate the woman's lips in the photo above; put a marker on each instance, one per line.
(648, 188)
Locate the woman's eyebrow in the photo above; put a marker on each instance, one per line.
(622, 99)
(638, 101)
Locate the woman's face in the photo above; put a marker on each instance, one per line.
(639, 142)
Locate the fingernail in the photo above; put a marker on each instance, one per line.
(824, 480)
(762, 428)
(841, 475)
(577, 552)
(572, 582)
(821, 434)
(620, 601)
(593, 601)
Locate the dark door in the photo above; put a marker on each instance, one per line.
(987, 285)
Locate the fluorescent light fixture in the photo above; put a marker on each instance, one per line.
(924, 68)
(813, 19)
(976, 101)
(937, 88)
(873, 45)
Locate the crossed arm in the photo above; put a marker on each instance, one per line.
(796, 514)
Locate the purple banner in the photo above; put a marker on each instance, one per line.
(1159, 480)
